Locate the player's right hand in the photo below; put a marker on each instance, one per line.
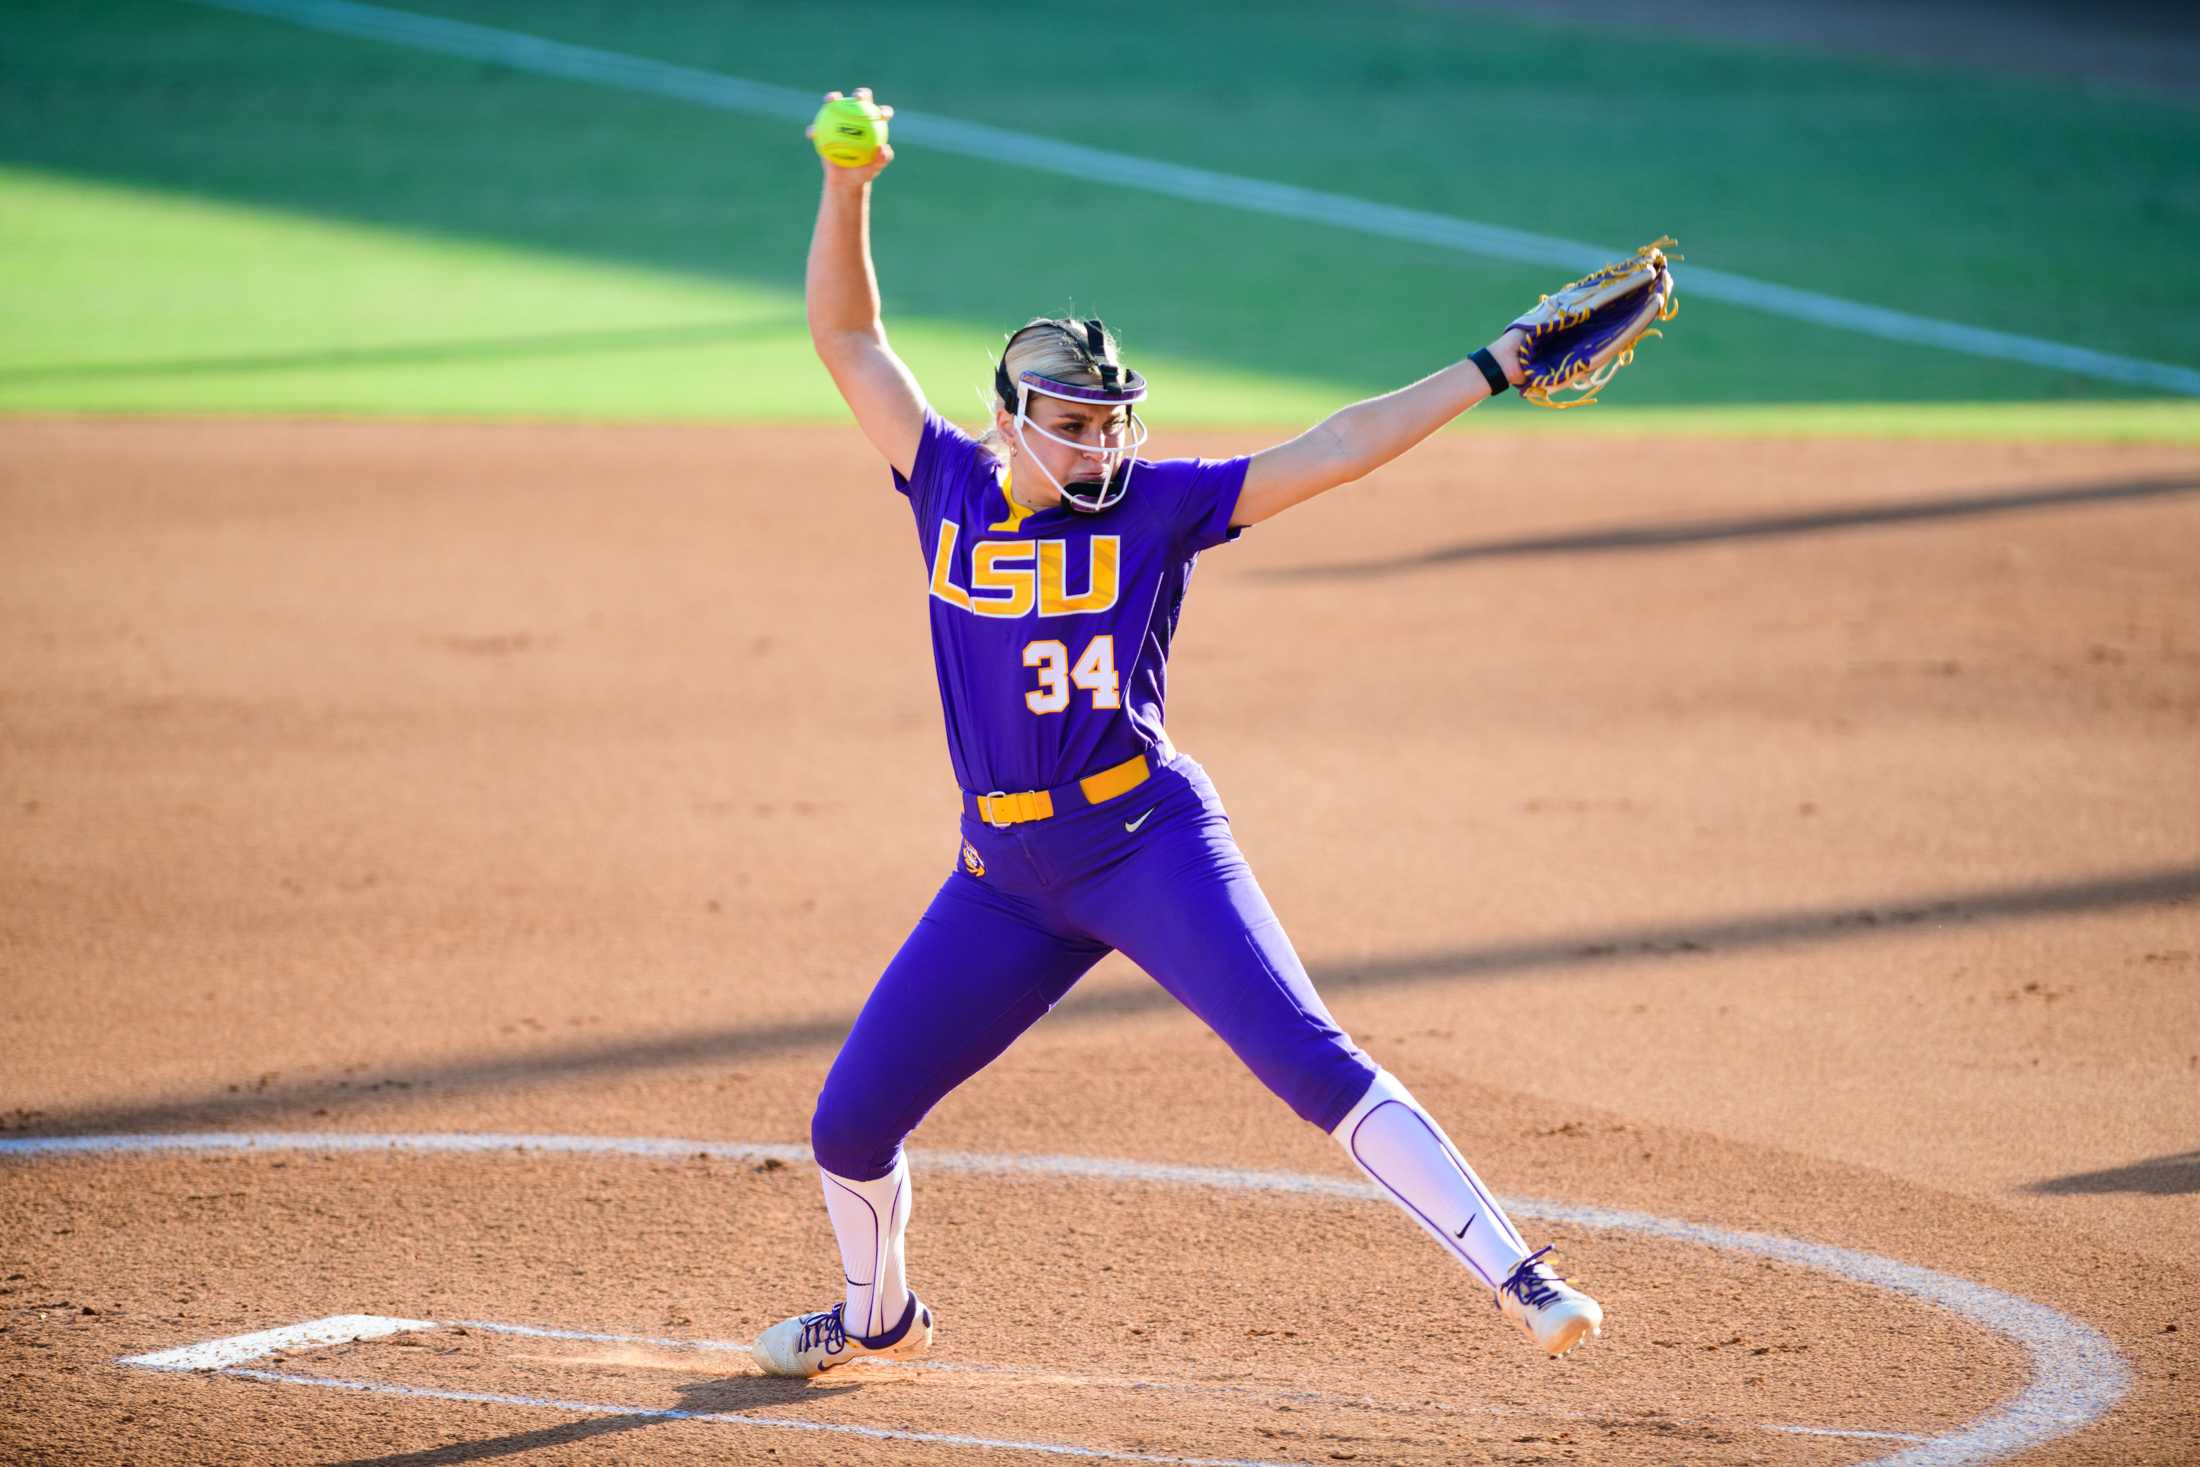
(838, 177)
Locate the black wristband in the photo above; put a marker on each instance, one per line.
(1495, 374)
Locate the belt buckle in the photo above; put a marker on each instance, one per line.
(989, 802)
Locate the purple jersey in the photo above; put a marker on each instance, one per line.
(1051, 628)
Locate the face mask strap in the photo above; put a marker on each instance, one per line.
(1096, 347)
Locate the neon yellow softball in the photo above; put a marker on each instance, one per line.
(849, 132)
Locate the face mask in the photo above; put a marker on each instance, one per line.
(1089, 495)
(1119, 387)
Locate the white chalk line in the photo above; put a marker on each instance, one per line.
(2076, 1373)
(524, 52)
(337, 1329)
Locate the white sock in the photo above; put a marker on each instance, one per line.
(1394, 1141)
(869, 1219)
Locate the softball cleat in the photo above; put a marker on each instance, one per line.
(811, 1344)
(1549, 1311)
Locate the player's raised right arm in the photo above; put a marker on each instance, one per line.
(842, 292)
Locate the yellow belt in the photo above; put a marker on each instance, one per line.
(1004, 808)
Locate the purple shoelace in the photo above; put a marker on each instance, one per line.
(1532, 1286)
(826, 1329)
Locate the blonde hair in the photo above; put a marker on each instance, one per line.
(1052, 346)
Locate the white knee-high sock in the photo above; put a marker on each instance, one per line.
(1394, 1141)
(869, 1219)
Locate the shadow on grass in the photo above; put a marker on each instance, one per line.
(1667, 535)
(2161, 1176)
(410, 355)
(700, 1399)
(500, 1073)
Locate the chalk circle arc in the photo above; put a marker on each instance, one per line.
(2077, 1376)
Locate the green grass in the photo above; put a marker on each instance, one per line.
(209, 212)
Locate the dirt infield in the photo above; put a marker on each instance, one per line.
(1798, 840)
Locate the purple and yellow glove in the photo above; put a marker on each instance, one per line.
(1582, 334)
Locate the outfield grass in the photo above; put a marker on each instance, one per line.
(209, 212)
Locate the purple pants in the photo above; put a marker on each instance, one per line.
(996, 950)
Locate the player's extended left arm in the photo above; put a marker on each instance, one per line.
(1355, 441)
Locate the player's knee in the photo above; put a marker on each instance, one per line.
(851, 1139)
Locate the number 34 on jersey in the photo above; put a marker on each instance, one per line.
(1093, 672)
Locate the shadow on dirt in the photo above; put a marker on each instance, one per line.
(1667, 535)
(2163, 1176)
(501, 1072)
(702, 1398)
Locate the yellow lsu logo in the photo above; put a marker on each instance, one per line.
(972, 861)
(1011, 577)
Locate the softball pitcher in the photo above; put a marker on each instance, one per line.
(1058, 562)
